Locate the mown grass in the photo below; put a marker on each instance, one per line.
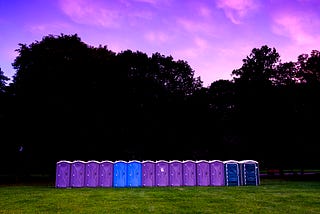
(272, 196)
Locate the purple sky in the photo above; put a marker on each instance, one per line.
(213, 36)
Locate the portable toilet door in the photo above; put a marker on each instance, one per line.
(217, 173)
(120, 174)
(134, 174)
(148, 174)
(203, 173)
(106, 174)
(249, 170)
(63, 174)
(78, 173)
(92, 174)
(175, 169)
(189, 173)
(232, 175)
(162, 173)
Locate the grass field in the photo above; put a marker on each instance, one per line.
(272, 196)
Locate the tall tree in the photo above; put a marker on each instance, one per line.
(258, 67)
(3, 80)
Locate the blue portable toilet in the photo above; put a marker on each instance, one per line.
(249, 171)
(176, 175)
(203, 173)
(232, 173)
(162, 173)
(134, 174)
(189, 169)
(92, 174)
(63, 170)
(78, 173)
(106, 174)
(148, 173)
(120, 174)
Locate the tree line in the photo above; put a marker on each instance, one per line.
(72, 101)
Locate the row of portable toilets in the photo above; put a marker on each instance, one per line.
(156, 173)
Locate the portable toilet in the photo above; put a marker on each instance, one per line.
(175, 169)
(217, 173)
(134, 174)
(78, 173)
(120, 174)
(92, 174)
(249, 171)
(203, 173)
(63, 174)
(106, 174)
(162, 173)
(232, 175)
(189, 173)
(148, 173)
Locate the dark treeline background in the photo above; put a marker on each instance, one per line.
(70, 101)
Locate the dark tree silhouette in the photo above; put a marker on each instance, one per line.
(3, 80)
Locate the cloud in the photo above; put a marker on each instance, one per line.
(195, 26)
(157, 37)
(301, 28)
(235, 10)
(41, 29)
(91, 12)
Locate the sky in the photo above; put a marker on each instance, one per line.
(212, 36)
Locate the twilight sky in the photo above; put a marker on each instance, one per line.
(213, 36)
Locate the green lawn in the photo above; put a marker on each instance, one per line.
(272, 196)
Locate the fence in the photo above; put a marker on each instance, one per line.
(161, 173)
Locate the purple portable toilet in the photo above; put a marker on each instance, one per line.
(134, 172)
(92, 174)
(148, 174)
(203, 173)
(120, 169)
(106, 174)
(63, 174)
(217, 173)
(162, 173)
(189, 173)
(78, 173)
(175, 169)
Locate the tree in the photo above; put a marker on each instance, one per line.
(309, 68)
(258, 68)
(285, 74)
(3, 80)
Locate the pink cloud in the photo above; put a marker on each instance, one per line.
(195, 26)
(42, 29)
(235, 10)
(157, 37)
(301, 28)
(90, 12)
